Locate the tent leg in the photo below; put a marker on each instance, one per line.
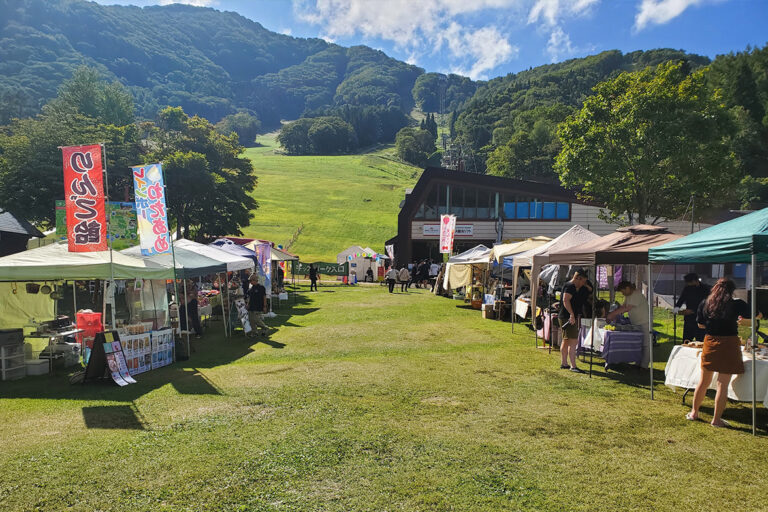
(226, 298)
(753, 269)
(650, 327)
(223, 316)
(594, 320)
(674, 303)
(186, 316)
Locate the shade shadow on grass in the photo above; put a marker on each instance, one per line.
(123, 417)
(194, 383)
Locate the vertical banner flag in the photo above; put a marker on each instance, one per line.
(390, 251)
(447, 231)
(264, 255)
(84, 198)
(154, 237)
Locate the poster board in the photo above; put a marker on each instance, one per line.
(163, 348)
(138, 352)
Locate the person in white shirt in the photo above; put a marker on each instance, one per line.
(636, 305)
(391, 277)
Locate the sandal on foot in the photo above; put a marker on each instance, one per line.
(722, 424)
(565, 367)
(691, 417)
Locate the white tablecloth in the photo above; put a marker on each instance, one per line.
(684, 369)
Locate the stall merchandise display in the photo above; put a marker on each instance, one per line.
(12, 364)
(162, 348)
(138, 352)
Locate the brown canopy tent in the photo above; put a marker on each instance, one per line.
(625, 246)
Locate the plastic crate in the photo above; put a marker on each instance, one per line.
(11, 336)
(15, 374)
(7, 351)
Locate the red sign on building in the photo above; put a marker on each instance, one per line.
(84, 199)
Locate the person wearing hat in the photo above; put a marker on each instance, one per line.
(257, 306)
(694, 293)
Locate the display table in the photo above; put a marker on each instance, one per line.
(614, 346)
(684, 370)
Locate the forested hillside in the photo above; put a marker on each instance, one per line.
(210, 63)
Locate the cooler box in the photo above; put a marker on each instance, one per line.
(37, 366)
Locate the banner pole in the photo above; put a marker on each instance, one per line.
(173, 259)
(109, 238)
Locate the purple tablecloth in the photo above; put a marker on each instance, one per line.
(617, 347)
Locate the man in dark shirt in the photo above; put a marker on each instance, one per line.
(257, 306)
(692, 295)
(312, 277)
(571, 305)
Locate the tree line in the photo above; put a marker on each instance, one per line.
(208, 180)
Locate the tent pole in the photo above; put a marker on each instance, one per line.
(513, 298)
(223, 316)
(594, 319)
(754, 340)
(186, 316)
(650, 326)
(674, 304)
(109, 238)
(226, 296)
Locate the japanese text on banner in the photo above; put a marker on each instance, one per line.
(84, 198)
(154, 237)
(447, 232)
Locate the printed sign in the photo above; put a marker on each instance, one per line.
(118, 367)
(328, 269)
(447, 231)
(84, 198)
(149, 190)
(461, 230)
(122, 224)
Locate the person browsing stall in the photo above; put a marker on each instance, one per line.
(694, 293)
(257, 306)
(313, 275)
(571, 305)
(719, 316)
(636, 306)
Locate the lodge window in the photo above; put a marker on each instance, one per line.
(484, 204)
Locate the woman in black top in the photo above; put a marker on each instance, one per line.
(720, 316)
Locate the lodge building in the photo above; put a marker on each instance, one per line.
(490, 209)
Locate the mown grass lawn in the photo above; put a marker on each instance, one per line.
(364, 400)
(339, 200)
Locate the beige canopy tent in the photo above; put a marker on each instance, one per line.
(501, 251)
(458, 270)
(538, 257)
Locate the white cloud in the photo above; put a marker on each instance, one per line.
(419, 27)
(550, 12)
(658, 12)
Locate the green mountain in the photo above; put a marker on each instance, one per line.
(489, 117)
(209, 62)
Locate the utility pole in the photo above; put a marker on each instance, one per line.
(693, 210)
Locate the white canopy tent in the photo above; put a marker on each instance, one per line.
(234, 263)
(54, 262)
(458, 270)
(501, 251)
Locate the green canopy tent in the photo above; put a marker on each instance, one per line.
(741, 240)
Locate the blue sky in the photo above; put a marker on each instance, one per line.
(487, 38)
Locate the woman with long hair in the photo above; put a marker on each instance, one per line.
(719, 315)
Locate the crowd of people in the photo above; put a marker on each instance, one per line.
(421, 274)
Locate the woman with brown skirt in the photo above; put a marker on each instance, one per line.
(720, 315)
